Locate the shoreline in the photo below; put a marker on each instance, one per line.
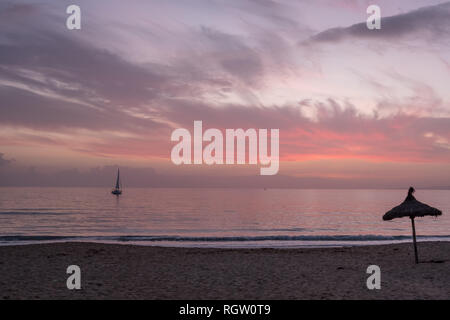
(219, 246)
(125, 271)
(226, 241)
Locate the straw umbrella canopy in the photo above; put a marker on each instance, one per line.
(411, 208)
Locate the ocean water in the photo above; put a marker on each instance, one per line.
(215, 217)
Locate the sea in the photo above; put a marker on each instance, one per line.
(218, 218)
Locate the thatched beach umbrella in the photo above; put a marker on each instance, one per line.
(412, 208)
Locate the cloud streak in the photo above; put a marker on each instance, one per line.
(432, 22)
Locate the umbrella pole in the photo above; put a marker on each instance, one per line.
(414, 239)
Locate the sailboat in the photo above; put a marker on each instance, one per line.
(118, 189)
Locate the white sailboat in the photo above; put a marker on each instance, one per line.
(118, 189)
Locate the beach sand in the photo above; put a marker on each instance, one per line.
(110, 271)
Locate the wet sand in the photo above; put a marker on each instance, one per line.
(110, 271)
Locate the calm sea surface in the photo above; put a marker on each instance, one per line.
(214, 217)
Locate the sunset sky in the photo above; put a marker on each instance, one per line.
(355, 107)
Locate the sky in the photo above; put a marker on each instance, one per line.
(356, 108)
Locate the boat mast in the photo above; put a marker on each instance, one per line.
(118, 180)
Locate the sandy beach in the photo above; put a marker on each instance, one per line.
(110, 271)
